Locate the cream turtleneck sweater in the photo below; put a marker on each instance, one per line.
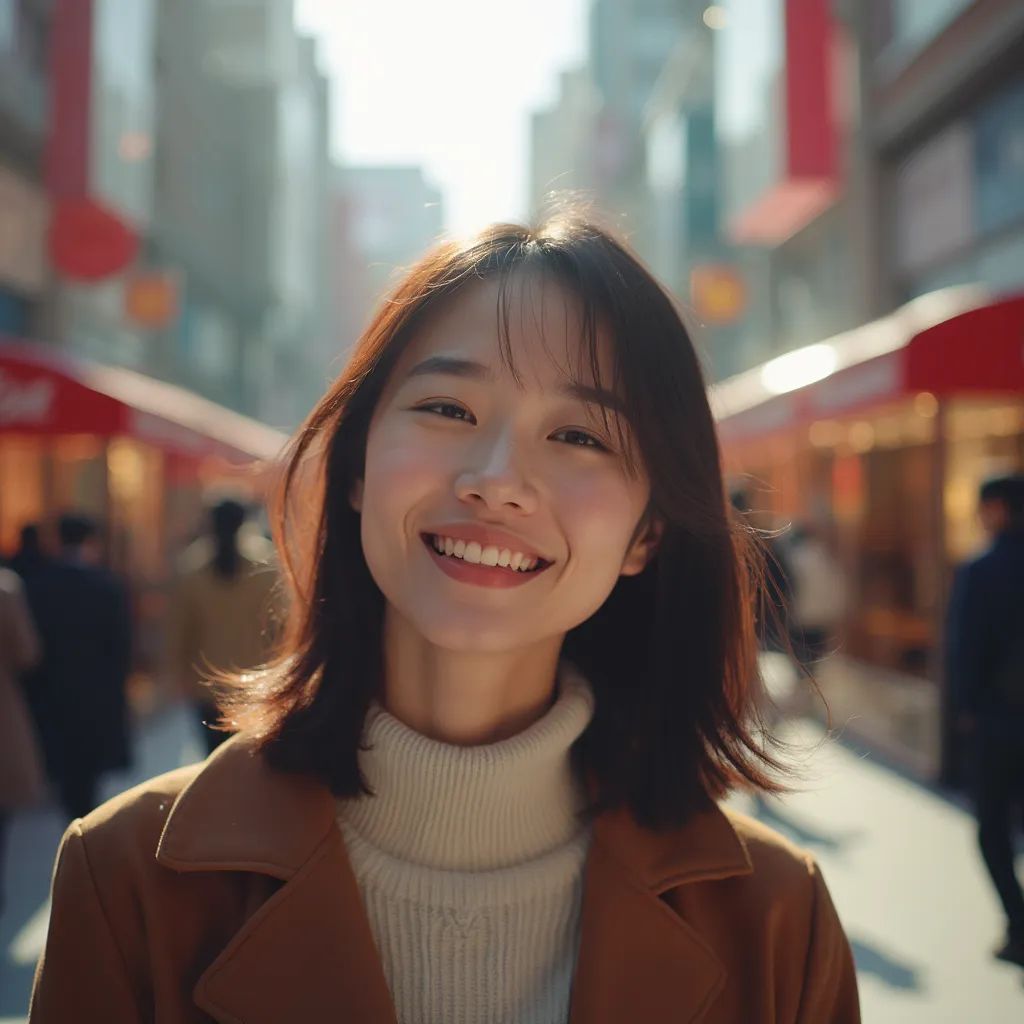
(470, 863)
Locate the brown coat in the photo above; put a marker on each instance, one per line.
(21, 772)
(224, 891)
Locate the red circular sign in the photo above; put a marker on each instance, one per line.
(88, 242)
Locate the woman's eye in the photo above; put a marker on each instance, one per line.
(449, 410)
(581, 439)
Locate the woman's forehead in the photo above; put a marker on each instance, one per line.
(526, 324)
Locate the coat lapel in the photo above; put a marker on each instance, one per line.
(638, 959)
(307, 953)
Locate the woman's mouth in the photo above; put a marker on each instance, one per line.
(473, 562)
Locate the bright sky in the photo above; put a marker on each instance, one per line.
(448, 84)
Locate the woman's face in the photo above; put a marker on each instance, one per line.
(509, 476)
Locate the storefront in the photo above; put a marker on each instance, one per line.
(135, 452)
(880, 437)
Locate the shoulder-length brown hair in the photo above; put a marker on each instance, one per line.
(671, 655)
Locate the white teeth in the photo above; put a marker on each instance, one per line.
(475, 553)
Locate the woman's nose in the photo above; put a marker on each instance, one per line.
(497, 479)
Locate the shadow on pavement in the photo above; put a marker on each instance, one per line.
(771, 813)
(892, 972)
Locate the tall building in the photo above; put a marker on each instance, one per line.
(24, 211)
(630, 41)
(100, 165)
(945, 90)
(793, 180)
(243, 179)
(561, 140)
(685, 247)
(382, 219)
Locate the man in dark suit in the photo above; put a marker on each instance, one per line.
(78, 691)
(985, 663)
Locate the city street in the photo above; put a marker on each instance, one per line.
(900, 862)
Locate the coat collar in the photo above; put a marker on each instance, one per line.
(238, 814)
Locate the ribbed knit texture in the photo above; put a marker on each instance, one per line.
(470, 862)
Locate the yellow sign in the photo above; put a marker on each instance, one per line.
(718, 293)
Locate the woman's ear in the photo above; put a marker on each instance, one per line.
(644, 547)
(355, 495)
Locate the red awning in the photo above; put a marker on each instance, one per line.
(957, 341)
(46, 391)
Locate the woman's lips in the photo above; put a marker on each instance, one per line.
(480, 575)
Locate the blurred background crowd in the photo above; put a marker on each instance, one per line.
(832, 189)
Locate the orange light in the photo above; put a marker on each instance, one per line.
(151, 300)
(718, 293)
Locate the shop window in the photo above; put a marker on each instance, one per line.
(135, 474)
(79, 476)
(984, 437)
(22, 487)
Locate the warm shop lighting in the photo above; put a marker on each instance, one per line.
(888, 432)
(126, 470)
(1006, 421)
(715, 17)
(862, 436)
(926, 404)
(826, 433)
(798, 369)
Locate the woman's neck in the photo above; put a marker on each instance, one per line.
(466, 699)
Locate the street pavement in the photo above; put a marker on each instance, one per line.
(899, 859)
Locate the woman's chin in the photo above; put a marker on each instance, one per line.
(475, 634)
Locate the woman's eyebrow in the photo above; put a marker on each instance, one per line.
(596, 396)
(455, 366)
(452, 366)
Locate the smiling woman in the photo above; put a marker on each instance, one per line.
(481, 781)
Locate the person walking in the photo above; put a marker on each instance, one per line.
(29, 555)
(224, 610)
(482, 779)
(21, 774)
(84, 621)
(985, 662)
(819, 594)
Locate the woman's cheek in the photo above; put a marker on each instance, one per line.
(402, 459)
(598, 511)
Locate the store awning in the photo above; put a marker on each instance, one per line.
(957, 341)
(45, 391)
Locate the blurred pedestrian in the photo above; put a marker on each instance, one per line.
(29, 555)
(986, 668)
(819, 593)
(223, 611)
(84, 621)
(21, 775)
(481, 781)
